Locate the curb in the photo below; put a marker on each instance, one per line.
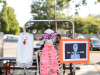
(94, 51)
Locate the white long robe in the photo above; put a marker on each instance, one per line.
(25, 52)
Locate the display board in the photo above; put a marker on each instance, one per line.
(74, 50)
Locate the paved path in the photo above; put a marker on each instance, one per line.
(87, 70)
(10, 49)
(94, 61)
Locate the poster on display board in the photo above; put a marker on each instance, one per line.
(74, 50)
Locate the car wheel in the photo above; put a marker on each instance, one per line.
(4, 41)
(16, 41)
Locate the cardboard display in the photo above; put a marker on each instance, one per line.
(74, 50)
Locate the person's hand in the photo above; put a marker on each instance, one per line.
(56, 46)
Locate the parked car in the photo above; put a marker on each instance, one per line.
(40, 43)
(93, 37)
(10, 39)
(65, 38)
(10, 35)
(79, 36)
(94, 44)
(70, 35)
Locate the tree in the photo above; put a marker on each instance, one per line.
(87, 25)
(4, 19)
(8, 22)
(44, 10)
(12, 22)
(21, 29)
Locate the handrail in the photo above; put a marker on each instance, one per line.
(73, 27)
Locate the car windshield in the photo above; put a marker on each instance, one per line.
(95, 41)
(9, 37)
(15, 38)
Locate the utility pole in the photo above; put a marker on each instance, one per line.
(55, 15)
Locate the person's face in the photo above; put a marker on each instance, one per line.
(57, 38)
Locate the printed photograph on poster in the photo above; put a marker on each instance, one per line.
(74, 51)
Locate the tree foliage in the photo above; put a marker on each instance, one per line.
(44, 10)
(87, 25)
(8, 22)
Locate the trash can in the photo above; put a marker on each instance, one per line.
(1, 50)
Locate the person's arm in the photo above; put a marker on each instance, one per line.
(42, 46)
(56, 46)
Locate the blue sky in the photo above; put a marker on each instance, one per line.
(23, 9)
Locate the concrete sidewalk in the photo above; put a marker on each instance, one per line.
(87, 70)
